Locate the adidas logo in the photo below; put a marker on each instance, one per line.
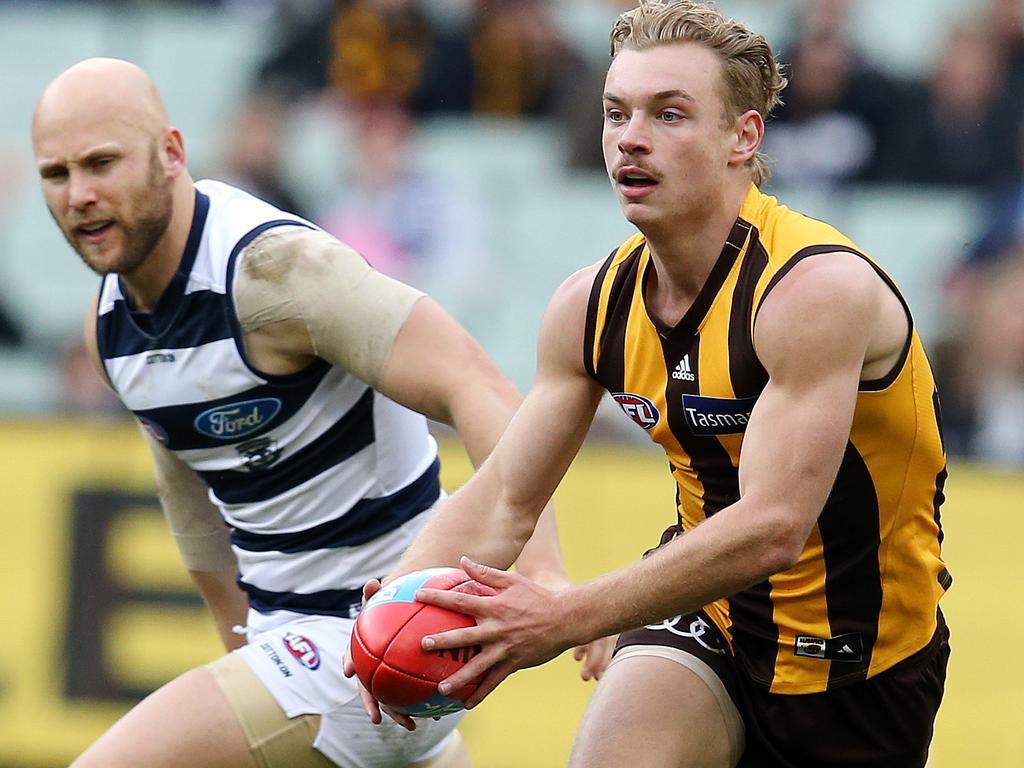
(682, 371)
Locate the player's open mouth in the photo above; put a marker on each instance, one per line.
(94, 230)
(637, 180)
(634, 184)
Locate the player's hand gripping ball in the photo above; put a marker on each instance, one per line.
(386, 644)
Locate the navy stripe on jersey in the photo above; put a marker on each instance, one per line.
(364, 522)
(349, 435)
(330, 602)
(177, 423)
(203, 320)
(850, 539)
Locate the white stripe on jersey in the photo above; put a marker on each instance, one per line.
(315, 501)
(144, 386)
(308, 572)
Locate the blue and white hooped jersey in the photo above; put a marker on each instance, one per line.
(321, 479)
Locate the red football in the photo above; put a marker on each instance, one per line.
(386, 644)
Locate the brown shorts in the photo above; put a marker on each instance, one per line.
(883, 722)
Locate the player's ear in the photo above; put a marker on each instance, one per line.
(173, 150)
(747, 134)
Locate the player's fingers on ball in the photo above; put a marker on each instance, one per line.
(370, 706)
(579, 652)
(401, 718)
(471, 672)
(467, 637)
(459, 602)
(485, 574)
(370, 588)
(347, 665)
(488, 684)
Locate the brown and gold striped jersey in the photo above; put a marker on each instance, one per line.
(865, 591)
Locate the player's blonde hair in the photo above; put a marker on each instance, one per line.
(751, 77)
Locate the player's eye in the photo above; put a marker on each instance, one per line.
(54, 174)
(614, 115)
(670, 116)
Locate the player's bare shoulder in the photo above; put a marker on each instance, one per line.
(564, 325)
(827, 298)
(572, 296)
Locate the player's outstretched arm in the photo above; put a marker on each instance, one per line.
(814, 334)
(491, 517)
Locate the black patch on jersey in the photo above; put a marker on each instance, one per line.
(259, 453)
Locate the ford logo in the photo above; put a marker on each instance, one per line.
(227, 422)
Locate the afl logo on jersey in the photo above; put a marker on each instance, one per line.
(227, 422)
(303, 649)
(158, 432)
(638, 408)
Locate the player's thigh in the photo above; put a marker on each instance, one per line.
(187, 723)
(652, 712)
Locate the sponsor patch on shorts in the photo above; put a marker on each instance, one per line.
(303, 649)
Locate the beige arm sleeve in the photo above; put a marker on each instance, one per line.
(195, 522)
(352, 312)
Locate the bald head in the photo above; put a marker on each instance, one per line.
(112, 169)
(101, 94)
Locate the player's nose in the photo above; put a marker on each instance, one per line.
(635, 137)
(81, 191)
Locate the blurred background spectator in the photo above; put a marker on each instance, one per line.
(418, 225)
(961, 127)
(839, 114)
(456, 143)
(252, 157)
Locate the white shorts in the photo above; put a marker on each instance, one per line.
(300, 663)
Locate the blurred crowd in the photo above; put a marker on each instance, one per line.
(381, 66)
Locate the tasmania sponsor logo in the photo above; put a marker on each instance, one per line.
(227, 422)
(638, 408)
(303, 649)
(158, 432)
(717, 415)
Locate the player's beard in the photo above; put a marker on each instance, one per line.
(153, 205)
